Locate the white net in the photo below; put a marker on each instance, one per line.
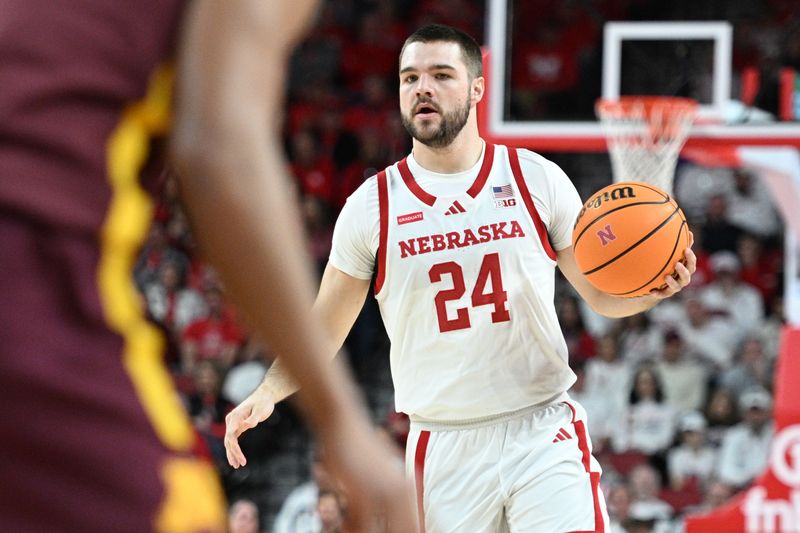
(645, 135)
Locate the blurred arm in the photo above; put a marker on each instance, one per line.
(227, 152)
(338, 304)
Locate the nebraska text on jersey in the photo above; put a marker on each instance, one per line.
(459, 239)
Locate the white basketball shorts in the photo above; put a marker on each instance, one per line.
(523, 472)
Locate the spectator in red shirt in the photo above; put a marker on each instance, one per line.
(759, 268)
(373, 52)
(312, 169)
(376, 109)
(214, 338)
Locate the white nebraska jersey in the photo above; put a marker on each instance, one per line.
(465, 279)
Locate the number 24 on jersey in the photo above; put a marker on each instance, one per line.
(497, 297)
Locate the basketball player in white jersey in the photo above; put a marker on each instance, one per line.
(463, 238)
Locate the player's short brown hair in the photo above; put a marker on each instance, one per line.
(470, 51)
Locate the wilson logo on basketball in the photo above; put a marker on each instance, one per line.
(616, 193)
(606, 235)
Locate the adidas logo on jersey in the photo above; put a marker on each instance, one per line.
(456, 208)
(562, 435)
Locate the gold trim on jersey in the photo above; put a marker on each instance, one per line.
(192, 498)
(124, 231)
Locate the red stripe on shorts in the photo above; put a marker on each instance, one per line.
(419, 474)
(594, 477)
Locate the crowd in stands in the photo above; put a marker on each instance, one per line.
(679, 399)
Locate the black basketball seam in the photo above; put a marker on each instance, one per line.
(674, 247)
(578, 238)
(634, 245)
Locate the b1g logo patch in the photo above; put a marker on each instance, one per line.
(505, 202)
(606, 235)
(503, 196)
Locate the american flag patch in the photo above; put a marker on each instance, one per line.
(503, 191)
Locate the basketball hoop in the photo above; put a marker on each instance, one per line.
(645, 134)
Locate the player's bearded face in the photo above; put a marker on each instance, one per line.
(439, 131)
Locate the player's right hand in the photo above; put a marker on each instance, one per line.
(252, 411)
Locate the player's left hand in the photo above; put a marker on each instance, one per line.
(682, 275)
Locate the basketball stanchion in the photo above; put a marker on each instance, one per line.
(645, 135)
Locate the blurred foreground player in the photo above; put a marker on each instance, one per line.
(466, 237)
(93, 434)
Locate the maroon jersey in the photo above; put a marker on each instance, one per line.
(94, 438)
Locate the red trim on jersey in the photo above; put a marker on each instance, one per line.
(473, 191)
(483, 173)
(513, 159)
(594, 477)
(413, 186)
(383, 204)
(419, 475)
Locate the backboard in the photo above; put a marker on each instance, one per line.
(548, 62)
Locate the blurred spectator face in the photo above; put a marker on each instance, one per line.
(755, 406)
(330, 512)
(434, 104)
(673, 347)
(696, 312)
(645, 384)
(206, 379)
(752, 352)
(744, 182)
(569, 315)
(331, 120)
(371, 147)
(169, 276)
(717, 207)
(304, 148)
(243, 517)
(726, 266)
(776, 307)
(692, 426)
(644, 483)
(721, 407)
(171, 190)
(756, 417)
(178, 226)
(693, 439)
(717, 494)
(312, 212)
(619, 503)
(214, 301)
(749, 250)
(158, 235)
(375, 92)
(607, 348)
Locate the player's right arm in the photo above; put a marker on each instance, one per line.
(338, 304)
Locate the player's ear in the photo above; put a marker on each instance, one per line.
(476, 90)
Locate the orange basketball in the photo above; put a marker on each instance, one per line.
(628, 237)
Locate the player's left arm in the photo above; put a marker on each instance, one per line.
(617, 306)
